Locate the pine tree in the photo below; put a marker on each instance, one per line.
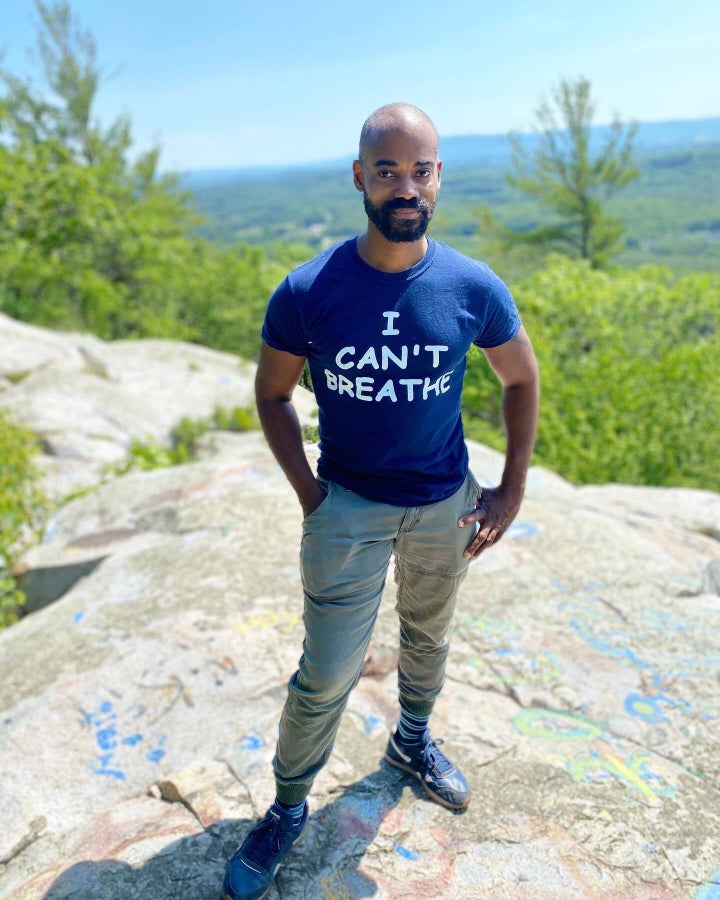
(568, 178)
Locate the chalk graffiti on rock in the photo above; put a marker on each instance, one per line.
(281, 620)
(665, 647)
(710, 890)
(552, 725)
(116, 734)
(633, 771)
(596, 764)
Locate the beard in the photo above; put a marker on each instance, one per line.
(397, 230)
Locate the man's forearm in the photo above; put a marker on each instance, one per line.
(283, 433)
(520, 415)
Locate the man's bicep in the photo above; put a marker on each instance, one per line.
(514, 361)
(278, 373)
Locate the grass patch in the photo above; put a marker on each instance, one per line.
(185, 440)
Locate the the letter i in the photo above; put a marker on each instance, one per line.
(390, 316)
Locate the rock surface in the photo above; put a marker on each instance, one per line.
(87, 398)
(139, 711)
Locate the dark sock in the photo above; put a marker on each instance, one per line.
(410, 728)
(292, 810)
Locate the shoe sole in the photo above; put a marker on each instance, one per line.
(435, 797)
(274, 875)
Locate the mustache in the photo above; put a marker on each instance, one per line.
(403, 203)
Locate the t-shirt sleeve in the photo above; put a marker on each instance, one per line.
(502, 321)
(282, 328)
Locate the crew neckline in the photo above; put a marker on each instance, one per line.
(404, 275)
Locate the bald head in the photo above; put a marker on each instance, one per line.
(396, 118)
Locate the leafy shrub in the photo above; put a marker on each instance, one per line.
(238, 418)
(20, 507)
(84, 247)
(630, 371)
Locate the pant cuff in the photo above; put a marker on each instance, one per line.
(291, 794)
(416, 707)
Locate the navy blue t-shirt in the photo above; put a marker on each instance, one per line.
(387, 358)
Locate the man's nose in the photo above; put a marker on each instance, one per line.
(406, 188)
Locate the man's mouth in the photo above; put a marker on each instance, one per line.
(405, 213)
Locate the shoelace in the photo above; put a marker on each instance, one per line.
(435, 758)
(268, 839)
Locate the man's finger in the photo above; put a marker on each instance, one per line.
(483, 540)
(477, 515)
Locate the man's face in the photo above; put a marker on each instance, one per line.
(399, 177)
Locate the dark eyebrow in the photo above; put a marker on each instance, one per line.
(391, 162)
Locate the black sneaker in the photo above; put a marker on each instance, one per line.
(442, 781)
(251, 870)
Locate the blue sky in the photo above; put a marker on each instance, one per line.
(219, 83)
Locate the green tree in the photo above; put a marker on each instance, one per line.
(92, 240)
(62, 108)
(571, 180)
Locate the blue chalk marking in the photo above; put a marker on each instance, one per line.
(252, 742)
(597, 643)
(634, 658)
(113, 773)
(156, 754)
(112, 733)
(78, 617)
(521, 530)
(710, 891)
(50, 531)
(370, 723)
(225, 381)
(106, 738)
(648, 708)
(405, 853)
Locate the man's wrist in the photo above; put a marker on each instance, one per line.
(309, 493)
(514, 483)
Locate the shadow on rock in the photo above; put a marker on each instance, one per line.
(328, 862)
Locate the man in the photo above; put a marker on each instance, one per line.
(385, 322)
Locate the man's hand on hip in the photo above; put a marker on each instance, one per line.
(494, 511)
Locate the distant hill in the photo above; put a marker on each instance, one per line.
(671, 214)
(474, 149)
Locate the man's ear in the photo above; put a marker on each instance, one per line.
(358, 175)
(439, 170)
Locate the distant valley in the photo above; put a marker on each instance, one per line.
(672, 213)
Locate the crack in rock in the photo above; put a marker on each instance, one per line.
(170, 794)
(509, 690)
(35, 829)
